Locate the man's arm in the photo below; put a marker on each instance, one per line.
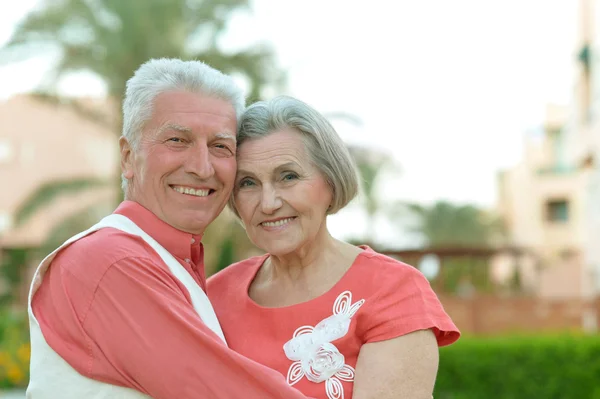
(143, 333)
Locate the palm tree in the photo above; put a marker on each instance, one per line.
(444, 225)
(111, 39)
(371, 164)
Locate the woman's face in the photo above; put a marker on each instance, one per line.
(281, 197)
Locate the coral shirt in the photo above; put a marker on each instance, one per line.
(111, 308)
(315, 344)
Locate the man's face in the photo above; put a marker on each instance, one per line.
(184, 167)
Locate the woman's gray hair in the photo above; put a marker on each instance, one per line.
(162, 75)
(325, 148)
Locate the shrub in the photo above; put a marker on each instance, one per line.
(14, 350)
(548, 367)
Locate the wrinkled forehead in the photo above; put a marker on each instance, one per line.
(268, 153)
(224, 133)
(282, 142)
(190, 112)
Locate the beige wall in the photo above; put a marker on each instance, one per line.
(40, 142)
(525, 191)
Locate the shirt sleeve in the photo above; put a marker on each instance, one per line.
(142, 326)
(403, 303)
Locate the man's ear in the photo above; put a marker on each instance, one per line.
(126, 158)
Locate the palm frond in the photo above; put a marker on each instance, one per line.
(50, 191)
(76, 222)
(370, 164)
(93, 115)
(445, 224)
(257, 64)
(112, 38)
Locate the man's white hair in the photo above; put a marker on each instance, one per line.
(162, 75)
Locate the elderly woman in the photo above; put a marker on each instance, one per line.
(339, 321)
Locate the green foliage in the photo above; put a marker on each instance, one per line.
(12, 267)
(14, 350)
(459, 270)
(225, 242)
(226, 254)
(50, 191)
(111, 39)
(584, 56)
(444, 224)
(72, 224)
(549, 367)
(371, 164)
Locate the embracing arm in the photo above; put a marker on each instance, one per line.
(165, 349)
(140, 331)
(399, 368)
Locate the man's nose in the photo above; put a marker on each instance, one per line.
(199, 162)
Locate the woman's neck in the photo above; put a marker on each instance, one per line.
(307, 261)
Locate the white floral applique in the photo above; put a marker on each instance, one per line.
(315, 357)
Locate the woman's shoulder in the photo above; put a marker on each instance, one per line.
(384, 267)
(399, 299)
(375, 274)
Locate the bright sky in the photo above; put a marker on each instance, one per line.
(448, 87)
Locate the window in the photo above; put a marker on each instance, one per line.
(557, 211)
(6, 152)
(5, 221)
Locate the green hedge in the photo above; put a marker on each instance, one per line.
(14, 350)
(546, 367)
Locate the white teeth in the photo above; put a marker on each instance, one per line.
(277, 223)
(191, 191)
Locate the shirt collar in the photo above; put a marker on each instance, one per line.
(177, 242)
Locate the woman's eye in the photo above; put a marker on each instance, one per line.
(246, 183)
(290, 176)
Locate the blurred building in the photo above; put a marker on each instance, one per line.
(41, 142)
(551, 199)
(589, 106)
(544, 202)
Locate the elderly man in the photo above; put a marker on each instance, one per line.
(119, 311)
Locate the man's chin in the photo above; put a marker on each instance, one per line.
(191, 222)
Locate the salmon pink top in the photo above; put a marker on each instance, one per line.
(315, 344)
(112, 309)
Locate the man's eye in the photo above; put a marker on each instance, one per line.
(224, 147)
(175, 140)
